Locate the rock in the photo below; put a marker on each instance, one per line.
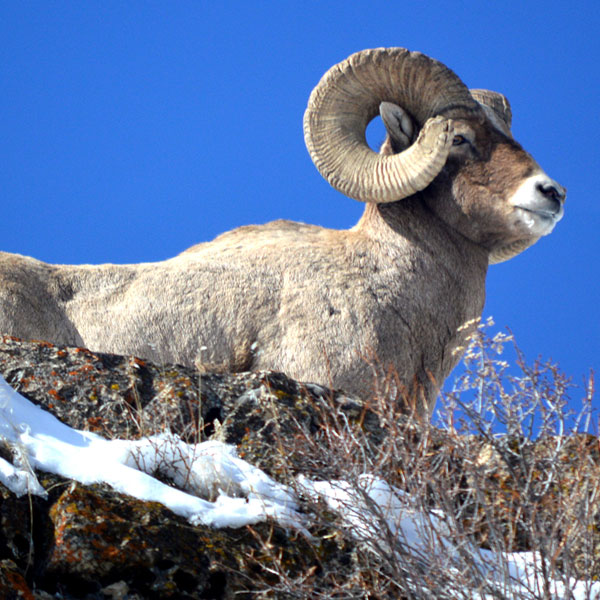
(91, 542)
(12, 583)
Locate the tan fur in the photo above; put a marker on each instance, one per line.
(317, 304)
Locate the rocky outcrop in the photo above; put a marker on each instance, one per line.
(91, 542)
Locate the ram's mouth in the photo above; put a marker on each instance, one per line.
(551, 215)
(539, 221)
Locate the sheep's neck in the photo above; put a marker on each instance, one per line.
(410, 223)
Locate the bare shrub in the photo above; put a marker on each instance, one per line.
(423, 511)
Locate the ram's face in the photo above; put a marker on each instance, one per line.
(499, 194)
(451, 145)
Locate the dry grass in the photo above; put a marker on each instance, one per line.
(506, 468)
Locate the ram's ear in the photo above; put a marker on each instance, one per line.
(399, 126)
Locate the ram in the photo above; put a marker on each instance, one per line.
(450, 192)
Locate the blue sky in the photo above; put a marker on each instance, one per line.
(132, 130)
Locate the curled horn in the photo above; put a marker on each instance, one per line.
(348, 97)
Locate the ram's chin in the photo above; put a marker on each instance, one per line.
(534, 223)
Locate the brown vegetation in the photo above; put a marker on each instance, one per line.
(505, 469)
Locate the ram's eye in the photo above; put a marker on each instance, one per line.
(459, 140)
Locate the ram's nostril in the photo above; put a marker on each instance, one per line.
(552, 192)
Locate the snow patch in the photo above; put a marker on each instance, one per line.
(375, 512)
(239, 493)
(244, 494)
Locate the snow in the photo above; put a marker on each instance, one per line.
(241, 493)
(244, 494)
(355, 503)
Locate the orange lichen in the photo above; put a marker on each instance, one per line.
(96, 423)
(19, 585)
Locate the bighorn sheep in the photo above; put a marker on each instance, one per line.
(450, 192)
